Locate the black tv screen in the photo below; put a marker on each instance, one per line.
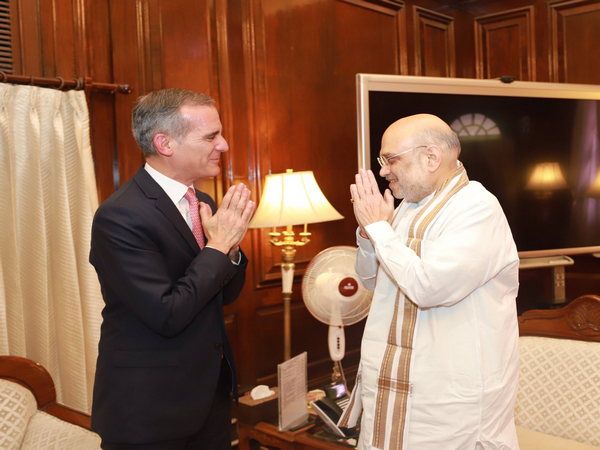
(535, 146)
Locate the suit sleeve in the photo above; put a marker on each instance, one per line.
(130, 256)
(234, 287)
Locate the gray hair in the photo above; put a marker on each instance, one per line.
(160, 112)
(444, 138)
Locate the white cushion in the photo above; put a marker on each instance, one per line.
(559, 388)
(534, 440)
(17, 405)
(51, 433)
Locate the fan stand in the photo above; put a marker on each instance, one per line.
(338, 376)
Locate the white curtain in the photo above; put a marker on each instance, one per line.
(50, 300)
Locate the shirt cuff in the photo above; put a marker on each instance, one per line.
(239, 259)
(363, 243)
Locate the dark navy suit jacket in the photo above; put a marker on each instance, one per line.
(163, 335)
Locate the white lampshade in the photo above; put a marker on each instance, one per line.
(292, 198)
(546, 177)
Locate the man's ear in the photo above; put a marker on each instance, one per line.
(434, 158)
(162, 142)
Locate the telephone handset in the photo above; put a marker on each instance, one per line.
(330, 410)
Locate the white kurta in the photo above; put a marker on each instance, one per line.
(464, 365)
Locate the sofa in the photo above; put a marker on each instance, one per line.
(558, 403)
(30, 416)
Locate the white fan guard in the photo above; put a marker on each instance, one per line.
(331, 290)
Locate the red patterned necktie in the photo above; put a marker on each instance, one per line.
(190, 196)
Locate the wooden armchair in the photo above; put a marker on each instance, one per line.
(559, 383)
(32, 417)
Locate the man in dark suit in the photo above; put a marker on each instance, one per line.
(165, 366)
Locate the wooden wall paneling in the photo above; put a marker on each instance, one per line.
(402, 39)
(190, 57)
(434, 43)
(48, 25)
(505, 44)
(232, 20)
(226, 101)
(465, 45)
(397, 9)
(61, 55)
(186, 45)
(80, 42)
(300, 79)
(305, 100)
(129, 63)
(103, 141)
(574, 28)
(247, 18)
(27, 39)
(229, 79)
(101, 105)
(150, 40)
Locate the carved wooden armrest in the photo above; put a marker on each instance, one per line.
(579, 320)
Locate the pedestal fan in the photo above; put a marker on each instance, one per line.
(333, 295)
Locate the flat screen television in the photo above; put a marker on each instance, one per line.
(535, 146)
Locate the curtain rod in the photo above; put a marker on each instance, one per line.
(60, 83)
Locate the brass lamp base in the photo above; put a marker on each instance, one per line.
(288, 252)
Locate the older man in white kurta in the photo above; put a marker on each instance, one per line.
(439, 357)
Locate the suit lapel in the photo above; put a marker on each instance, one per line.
(164, 204)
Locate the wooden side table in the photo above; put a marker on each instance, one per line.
(268, 434)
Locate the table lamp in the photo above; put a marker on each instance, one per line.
(291, 198)
(546, 178)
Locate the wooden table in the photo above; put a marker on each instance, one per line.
(268, 434)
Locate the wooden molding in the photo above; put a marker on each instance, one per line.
(494, 29)
(222, 83)
(431, 28)
(390, 7)
(254, 51)
(80, 37)
(149, 35)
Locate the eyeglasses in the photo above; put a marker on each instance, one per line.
(385, 160)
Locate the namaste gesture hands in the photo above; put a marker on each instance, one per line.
(226, 229)
(369, 205)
